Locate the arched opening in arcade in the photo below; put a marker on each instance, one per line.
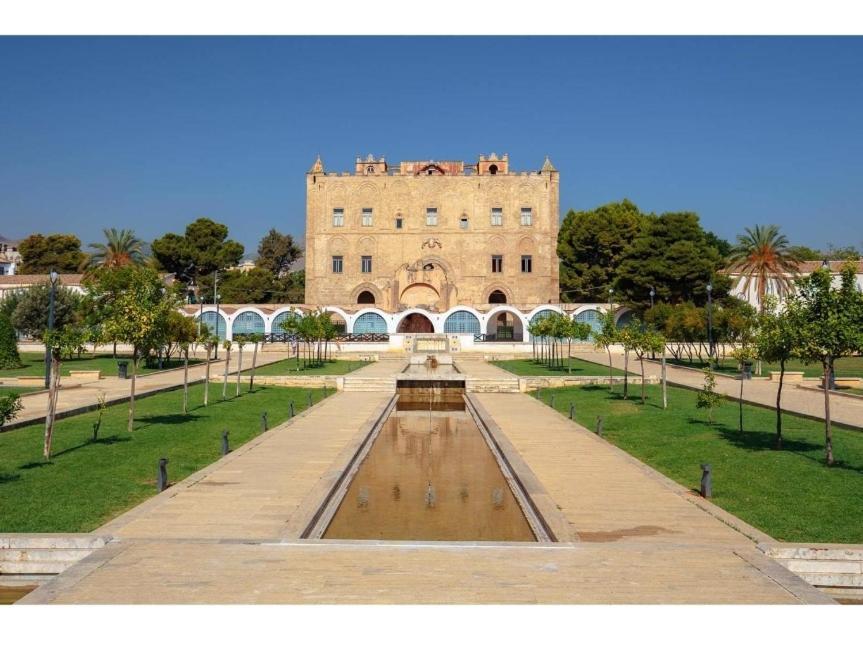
(505, 326)
(593, 317)
(497, 297)
(368, 324)
(366, 297)
(339, 322)
(415, 323)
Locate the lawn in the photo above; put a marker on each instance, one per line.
(288, 367)
(790, 494)
(88, 483)
(527, 367)
(34, 365)
(12, 389)
(844, 367)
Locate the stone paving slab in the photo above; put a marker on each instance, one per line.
(321, 572)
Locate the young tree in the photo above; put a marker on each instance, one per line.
(574, 330)
(255, 339)
(181, 332)
(226, 345)
(707, 397)
(778, 340)
(9, 356)
(139, 317)
(630, 338)
(646, 340)
(743, 353)
(41, 254)
(58, 342)
(830, 322)
(605, 339)
(240, 341)
(210, 342)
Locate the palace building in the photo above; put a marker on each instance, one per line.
(431, 235)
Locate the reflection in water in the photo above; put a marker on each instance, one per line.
(429, 477)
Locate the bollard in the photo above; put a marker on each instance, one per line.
(225, 447)
(292, 410)
(310, 399)
(539, 393)
(325, 390)
(162, 478)
(571, 411)
(264, 422)
(599, 425)
(706, 481)
(551, 402)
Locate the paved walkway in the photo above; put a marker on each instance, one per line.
(71, 399)
(763, 392)
(229, 533)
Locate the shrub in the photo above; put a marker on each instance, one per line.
(9, 358)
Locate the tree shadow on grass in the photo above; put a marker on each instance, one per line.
(106, 441)
(6, 478)
(758, 441)
(166, 419)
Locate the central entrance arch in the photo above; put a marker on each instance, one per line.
(415, 323)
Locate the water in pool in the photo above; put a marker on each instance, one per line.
(429, 476)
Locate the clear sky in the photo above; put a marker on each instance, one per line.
(150, 133)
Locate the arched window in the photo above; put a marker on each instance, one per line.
(247, 323)
(625, 319)
(497, 297)
(370, 323)
(366, 297)
(592, 317)
(462, 322)
(215, 323)
(281, 318)
(541, 315)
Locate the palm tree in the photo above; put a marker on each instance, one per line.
(761, 255)
(122, 248)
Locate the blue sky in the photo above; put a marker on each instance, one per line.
(150, 133)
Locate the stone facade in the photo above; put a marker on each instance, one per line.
(431, 235)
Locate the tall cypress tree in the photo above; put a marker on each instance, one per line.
(9, 358)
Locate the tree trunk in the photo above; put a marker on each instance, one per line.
(239, 368)
(254, 364)
(207, 379)
(828, 432)
(225, 381)
(625, 374)
(53, 397)
(643, 395)
(610, 370)
(779, 405)
(186, 383)
(664, 382)
(740, 404)
(132, 390)
(569, 357)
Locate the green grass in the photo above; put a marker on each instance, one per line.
(844, 367)
(527, 367)
(11, 389)
(87, 483)
(288, 367)
(790, 494)
(34, 365)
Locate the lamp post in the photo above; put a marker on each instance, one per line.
(216, 300)
(610, 297)
(53, 276)
(710, 324)
(652, 295)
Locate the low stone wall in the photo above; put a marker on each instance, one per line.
(835, 568)
(532, 383)
(45, 553)
(310, 382)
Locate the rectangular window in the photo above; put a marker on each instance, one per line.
(496, 263)
(367, 216)
(526, 263)
(526, 216)
(399, 223)
(431, 216)
(462, 223)
(337, 264)
(338, 217)
(497, 216)
(366, 264)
